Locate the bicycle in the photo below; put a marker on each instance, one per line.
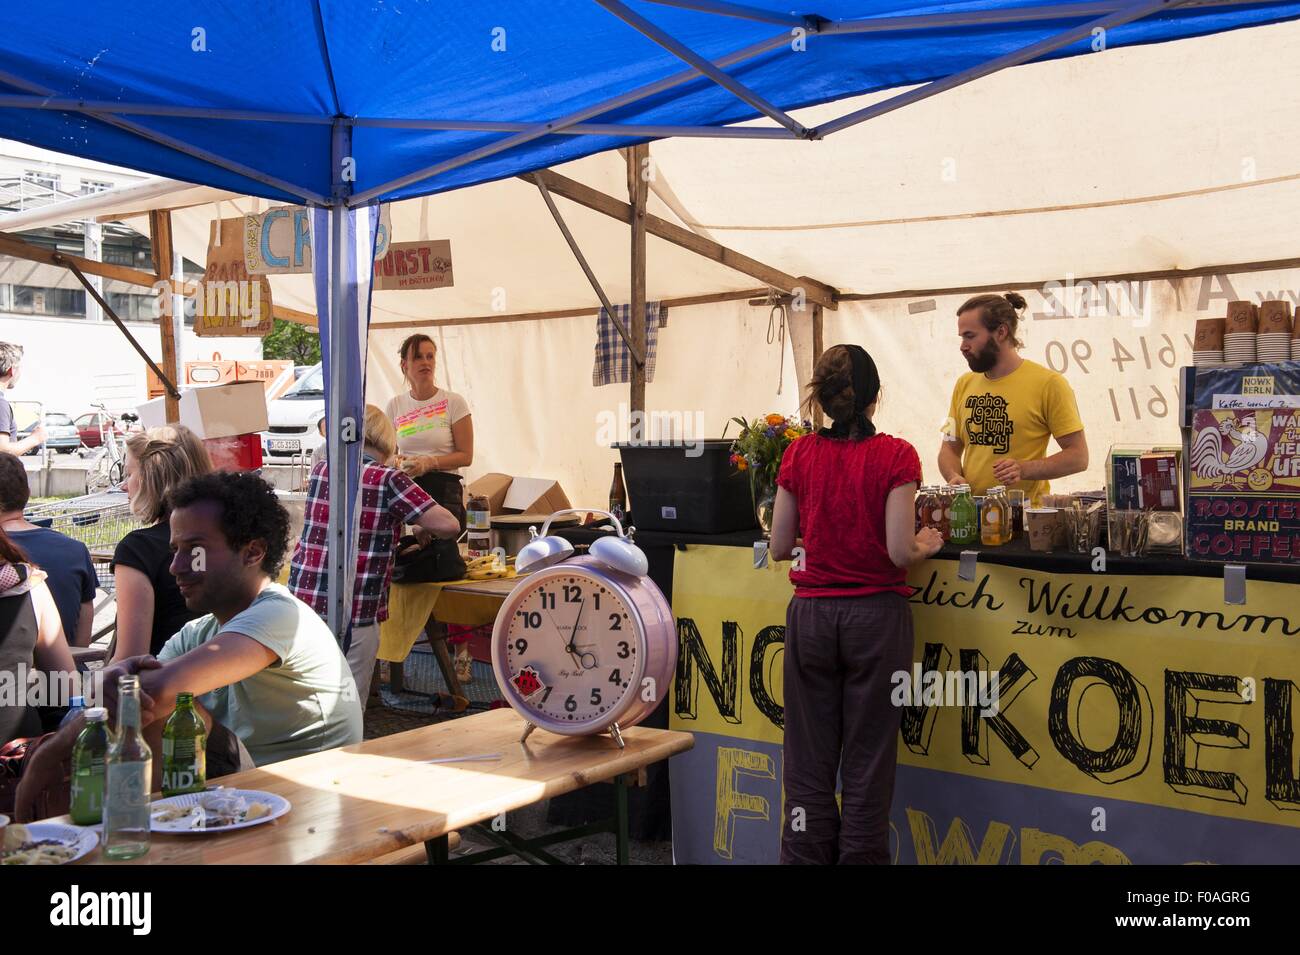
(107, 469)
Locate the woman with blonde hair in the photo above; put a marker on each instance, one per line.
(389, 499)
(150, 608)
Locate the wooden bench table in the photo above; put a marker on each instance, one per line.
(361, 802)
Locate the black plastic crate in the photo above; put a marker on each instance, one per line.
(668, 490)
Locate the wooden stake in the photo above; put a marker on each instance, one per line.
(638, 190)
(160, 238)
(818, 321)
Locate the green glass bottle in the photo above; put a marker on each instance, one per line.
(89, 754)
(965, 528)
(127, 777)
(184, 746)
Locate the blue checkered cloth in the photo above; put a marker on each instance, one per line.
(614, 363)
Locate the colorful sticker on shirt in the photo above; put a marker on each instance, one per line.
(427, 418)
(988, 423)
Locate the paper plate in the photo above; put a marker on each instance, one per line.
(185, 825)
(80, 838)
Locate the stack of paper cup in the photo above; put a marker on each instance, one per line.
(1207, 349)
(1295, 343)
(1239, 331)
(1274, 340)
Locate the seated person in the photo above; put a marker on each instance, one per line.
(259, 661)
(70, 573)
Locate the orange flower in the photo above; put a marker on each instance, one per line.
(791, 433)
(742, 465)
(775, 419)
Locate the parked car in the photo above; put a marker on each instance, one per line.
(88, 427)
(295, 416)
(61, 434)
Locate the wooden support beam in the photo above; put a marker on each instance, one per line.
(817, 292)
(818, 346)
(638, 191)
(19, 248)
(160, 240)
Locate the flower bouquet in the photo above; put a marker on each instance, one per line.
(758, 450)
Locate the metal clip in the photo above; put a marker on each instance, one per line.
(760, 554)
(1234, 584)
(966, 566)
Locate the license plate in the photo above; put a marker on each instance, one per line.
(284, 444)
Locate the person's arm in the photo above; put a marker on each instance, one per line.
(950, 451)
(85, 620)
(225, 659)
(23, 445)
(785, 525)
(51, 652)
(135, 608)
(439, 522)
(905, 544)
(44, 788)
(1071, 459)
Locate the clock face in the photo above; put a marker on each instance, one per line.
(571, 648)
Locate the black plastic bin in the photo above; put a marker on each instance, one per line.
(669, 490)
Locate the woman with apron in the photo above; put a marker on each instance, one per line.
(435, 439)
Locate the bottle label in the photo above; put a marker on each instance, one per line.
(478, 520)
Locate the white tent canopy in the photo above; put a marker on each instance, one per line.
(1163, 158)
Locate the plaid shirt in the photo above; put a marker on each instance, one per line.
(389, 499)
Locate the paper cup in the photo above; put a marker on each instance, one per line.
(1275, 316)
(1042, 524)
(1241, 318)
(1209, 335)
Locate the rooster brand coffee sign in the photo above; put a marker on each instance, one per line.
(1244, 493)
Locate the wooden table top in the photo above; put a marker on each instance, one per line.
(360, 802)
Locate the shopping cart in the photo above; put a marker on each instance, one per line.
(97, 520)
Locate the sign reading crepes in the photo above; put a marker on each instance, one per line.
(278, 241)
(413, 265)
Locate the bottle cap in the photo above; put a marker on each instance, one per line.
(95, 714)
(78, 702)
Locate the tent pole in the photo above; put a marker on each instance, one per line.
(587, 270)
(540, 130)
(341, 547)
(819, 346)
(1033, 51)
(638, 187)
(160, 241)
(687, 55)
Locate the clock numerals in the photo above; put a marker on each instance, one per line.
(546, 695)
(597, 597)
(521, 645)
(532, 619)
(615, 676)
(624, 650)
(548, 599)
(615, 622)
(572, 594)
(570, 704)
(595, 696)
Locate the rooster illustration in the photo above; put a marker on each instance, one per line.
(1208, 454)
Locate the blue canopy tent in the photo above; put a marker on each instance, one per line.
(342, 105)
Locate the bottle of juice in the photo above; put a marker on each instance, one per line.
(127, 778)
(964, 528)
(184, 746)
(995, 519)
(943, 508)
(88, 762)
(923, 507)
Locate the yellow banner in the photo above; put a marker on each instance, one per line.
(1141, 688)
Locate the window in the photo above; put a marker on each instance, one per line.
(47, 182)
(70, 303)
(91, 186)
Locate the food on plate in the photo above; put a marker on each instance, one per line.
(213, 810)
(20, 849)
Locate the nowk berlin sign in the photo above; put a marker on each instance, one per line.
(1139, 718)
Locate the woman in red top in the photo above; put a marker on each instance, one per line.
(849, 493)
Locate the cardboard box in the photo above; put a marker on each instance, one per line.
(222, 411)
(242, 452)
(519, 495)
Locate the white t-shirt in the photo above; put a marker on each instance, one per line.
(424, 427)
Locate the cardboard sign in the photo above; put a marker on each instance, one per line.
(414, 265)
(228, 302)
(278, 241)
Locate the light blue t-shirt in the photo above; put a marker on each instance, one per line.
(305, 703)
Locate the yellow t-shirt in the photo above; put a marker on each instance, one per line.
(1011, 417)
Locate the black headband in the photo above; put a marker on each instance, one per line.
(866, 388)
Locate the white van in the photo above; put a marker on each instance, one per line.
(294, 418)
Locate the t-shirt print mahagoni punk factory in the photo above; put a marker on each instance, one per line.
(424, 427)
(1013, 417)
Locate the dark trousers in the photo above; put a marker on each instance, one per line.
(840, 657)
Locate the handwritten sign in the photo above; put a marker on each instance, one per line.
(415, 265)
(278, 241)
(228, 302)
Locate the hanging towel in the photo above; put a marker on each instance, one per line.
(613, 363)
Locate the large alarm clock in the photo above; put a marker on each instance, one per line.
(584, 644)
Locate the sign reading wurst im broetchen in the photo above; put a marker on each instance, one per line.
(415, 265)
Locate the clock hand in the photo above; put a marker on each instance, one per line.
(568, 647)
(573, 637)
